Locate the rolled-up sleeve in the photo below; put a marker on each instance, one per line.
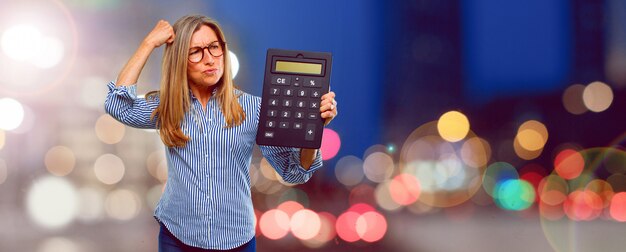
(123, 104)
(286, 162)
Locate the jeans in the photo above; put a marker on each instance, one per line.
(169, 243)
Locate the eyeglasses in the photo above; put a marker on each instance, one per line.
(216, 49)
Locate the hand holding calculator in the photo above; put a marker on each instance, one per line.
(292, 89)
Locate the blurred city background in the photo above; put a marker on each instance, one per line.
(464, 125)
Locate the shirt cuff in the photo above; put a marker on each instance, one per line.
(125, 91)
(295, 159)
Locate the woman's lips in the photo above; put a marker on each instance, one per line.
(210, 71)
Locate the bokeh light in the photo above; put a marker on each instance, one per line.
(49, 52)
(290, 207)
(346, 226)
(476, 152)
(28, 121)
(514, 194)
(371, 226)
(597, 96)
(109, 169)
(91, 207)
(331, 143)
(404, 189)
(59, 244)
(349, 170)
(25, 42)
(532, 135)
(553, 190)
(453, 126)
(12, 114)
(573, 99)
(19, 42)
(444, 178)
(157, 165)
(382, 194)
(603, 189)
(109, 130)
(582, 205)
(60, 160)
(327, 231)
(52, 202)
(618, 207)
(4, 171)
(497, 173)
(524, 153)
(305, 224)
(122, 204)
(234, 63)
(378, 167)
(274, 224)
(569, 164)
(2, 138)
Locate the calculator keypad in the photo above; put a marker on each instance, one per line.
(294, 104)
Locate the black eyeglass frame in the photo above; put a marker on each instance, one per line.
(208, 47)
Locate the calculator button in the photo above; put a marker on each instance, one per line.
(297, 81)
(269, 134)
(301, 104)
(271, 124)
(285, 114)
(316, 94)
(299, 115)
(281, 80)
(283, 125)
(287, 103)
(275, 91)
(271, 113)
(315, 105)
(273, 102)
(302, 93)
(309, 134)
(312, 82)
(312, 115)
(288, 92)
(297, 125)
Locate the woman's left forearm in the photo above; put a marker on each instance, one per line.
(307, 156)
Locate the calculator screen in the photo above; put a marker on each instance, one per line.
(298, 67)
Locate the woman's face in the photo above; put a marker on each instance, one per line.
(209, 70)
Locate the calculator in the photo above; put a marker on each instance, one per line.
(292, 92)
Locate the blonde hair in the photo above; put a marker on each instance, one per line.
(174, 96)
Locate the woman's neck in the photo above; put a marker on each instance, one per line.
(202, 93)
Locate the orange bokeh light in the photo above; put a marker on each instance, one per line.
(618, 207)
(274, 224)
(346, 226)
(569, 164)
(290, 207)
(305, 224)
(371, 226)
(404, 189)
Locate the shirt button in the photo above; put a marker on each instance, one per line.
(206, 155)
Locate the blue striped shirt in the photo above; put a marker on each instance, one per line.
(207, 200)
